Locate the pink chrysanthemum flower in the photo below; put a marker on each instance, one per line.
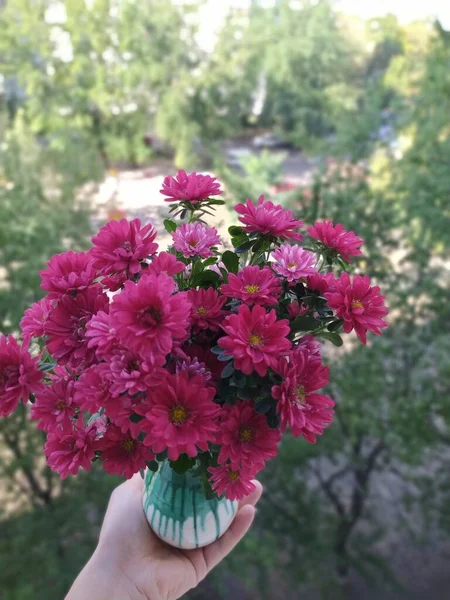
(121, 453)
(165, 263)
(345, 243)
(120, 410)
(320, 283)
(245, 437)
(309, 343)
(19, 375)
(68, 272)
(101, 334)
(300, 407)
(129, 372)
(195, 239)
(189, 188)
(182, 416)
(255, 339)
(216, 268)
(120, 246)
(297, 310)
(92, 388)
(67, 453)
(32, 323)
(293, 262)
(65, 327)
(193, 367)
(269, 218)
(253, 285)
(230, 482)
(204, 355)
(206, 312)
(359, 304)
(115, 282)
(55, 407)
(148, 316)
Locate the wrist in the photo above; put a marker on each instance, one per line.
(103, 579)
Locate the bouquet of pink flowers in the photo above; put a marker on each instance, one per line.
(196, 357)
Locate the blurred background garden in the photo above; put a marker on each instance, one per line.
(334, 109)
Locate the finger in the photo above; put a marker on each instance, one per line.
(129, 491)
(254, 496)
(126, 499)
(136, 483)
(224, 545)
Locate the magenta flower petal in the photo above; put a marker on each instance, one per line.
(359, 304)
(195, 239)
(345, 243)
(269, 218)
(253, 285)
(189, 188)
(255, 339)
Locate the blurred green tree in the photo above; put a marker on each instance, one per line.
(42, 211)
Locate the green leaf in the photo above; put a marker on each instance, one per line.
(182, 464)
(134, 418)
(228, 370)
(47, 366)
(208, 277)
(231, 261)
(153, 465)
(244, 247)
(261, 245)
(161, 456)
(224, 357)
(216, 202)
(263, 406)
(235, 231)
(210, 261)
(273, 421)
(336, 325)
(244, 394)
(238, 240)
(197, 268)
(169, 225)
(304, 323)
(334, 338)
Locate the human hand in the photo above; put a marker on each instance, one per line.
(132, 563)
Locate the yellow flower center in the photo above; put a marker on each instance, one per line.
(251, 289)
(300, 394)
(357, 304)
(233, 475)
(292, 265)
(178, 415)
(129, 445)
(202, 310)
(193, 243)
(246, 434)
(256, 340)
(60, 404)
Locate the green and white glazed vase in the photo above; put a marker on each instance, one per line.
(178, 511)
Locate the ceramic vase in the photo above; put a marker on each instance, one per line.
(178, 511)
